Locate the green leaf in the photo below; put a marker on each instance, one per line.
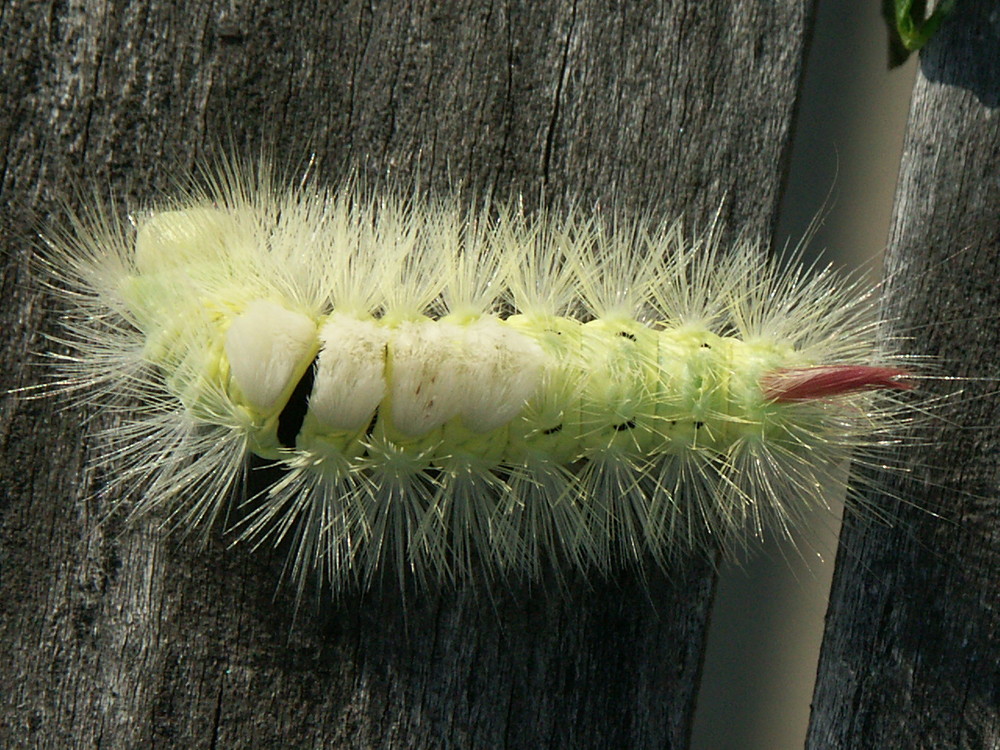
(910, 27)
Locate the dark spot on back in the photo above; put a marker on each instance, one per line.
(293, 415)
(370, 429)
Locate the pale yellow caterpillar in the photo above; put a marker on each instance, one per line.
(461, 393)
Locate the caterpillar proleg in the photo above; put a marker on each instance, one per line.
(461, 392)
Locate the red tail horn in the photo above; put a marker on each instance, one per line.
(807, 383)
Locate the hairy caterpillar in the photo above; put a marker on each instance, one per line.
(461, 392)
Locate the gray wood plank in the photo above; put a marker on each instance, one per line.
(911, 654)
(112, 636)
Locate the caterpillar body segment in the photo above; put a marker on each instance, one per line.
(461, 393)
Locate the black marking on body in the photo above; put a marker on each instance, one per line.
(626, 334)
(552, 430)
(370, 429)
(625, 426)
(294, 414)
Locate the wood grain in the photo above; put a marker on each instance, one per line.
(911, 654)
(112, 636)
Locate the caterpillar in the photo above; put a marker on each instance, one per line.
(460, 392)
